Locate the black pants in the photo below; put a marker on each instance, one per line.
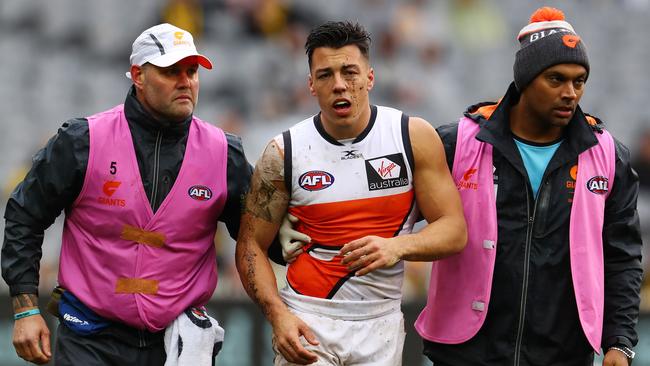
(117, 345)
(465, 354)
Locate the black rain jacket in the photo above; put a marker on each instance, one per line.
(532, 317)
(57, 176)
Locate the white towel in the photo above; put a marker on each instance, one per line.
(193, 339)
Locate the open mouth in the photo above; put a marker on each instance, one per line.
(342, 104)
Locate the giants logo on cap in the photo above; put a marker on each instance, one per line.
(200, 193)
(570, 40)
(598, 185)
(386, 172)
(179, 39)
(315, 180)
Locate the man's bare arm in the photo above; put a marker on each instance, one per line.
(437, 198)
(266, 205)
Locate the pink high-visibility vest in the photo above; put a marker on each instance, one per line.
(459, 291)
(121, 260)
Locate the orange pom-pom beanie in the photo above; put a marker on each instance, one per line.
(546, 41)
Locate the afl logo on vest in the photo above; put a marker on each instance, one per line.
(200, 193)
(598, 185)
(315, 180)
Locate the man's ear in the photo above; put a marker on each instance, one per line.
(310, 83)
(137, 75)
(371, 78)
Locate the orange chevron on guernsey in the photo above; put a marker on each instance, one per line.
(333, 224)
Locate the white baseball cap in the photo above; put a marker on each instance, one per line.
(164, 45)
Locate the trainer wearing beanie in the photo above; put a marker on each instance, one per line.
(552, 269)
(143, 186)
(546, 41)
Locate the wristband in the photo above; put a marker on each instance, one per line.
(26, 313)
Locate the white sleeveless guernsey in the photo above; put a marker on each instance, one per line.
(342, 192)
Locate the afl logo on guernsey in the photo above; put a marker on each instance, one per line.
(315, 180)
(200, 193)
(598, 185)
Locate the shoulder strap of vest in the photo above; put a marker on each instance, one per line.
(608, 146)
(286, 138)
(467, 131)
(406, 140)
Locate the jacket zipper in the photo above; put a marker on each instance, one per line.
(141, 339)
(524, 288)
(156, 168)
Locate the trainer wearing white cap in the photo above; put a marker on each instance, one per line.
(143, 186)
(163, 45)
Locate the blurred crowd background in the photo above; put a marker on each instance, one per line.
(66, 58)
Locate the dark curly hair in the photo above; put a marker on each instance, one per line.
(337, 35)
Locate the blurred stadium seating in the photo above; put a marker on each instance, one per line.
(66, 58)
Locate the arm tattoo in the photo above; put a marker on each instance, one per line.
(22, 301)
(248, 259)
(251, 257)
(268, 199)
